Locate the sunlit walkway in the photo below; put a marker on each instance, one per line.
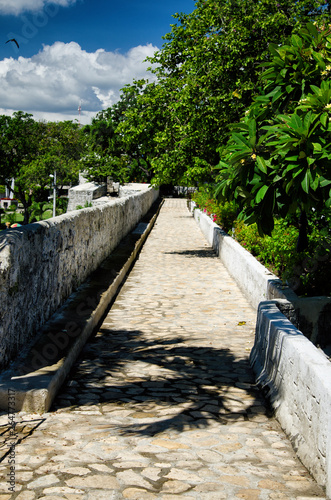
(162, 403)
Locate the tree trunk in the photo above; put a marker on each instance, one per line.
(302, 242)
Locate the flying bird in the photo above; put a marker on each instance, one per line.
(13, 40)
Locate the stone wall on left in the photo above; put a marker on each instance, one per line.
(41, 264)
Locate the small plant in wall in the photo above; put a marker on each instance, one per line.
(88, 204)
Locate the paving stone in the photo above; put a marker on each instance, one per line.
(183, 475)
(95, 481)
(138, 494)
(26, 495)
(49, 497)
(152, 473)
(249, 494)
(271, 485)
(175, 487)
(132, 478)
(100, 495)
(171, 445)
(43, 481)
(24, 476)
(62, 490)
(175, 497)
(78, 471)
(236, 480)
(209, 456)
(101, 468)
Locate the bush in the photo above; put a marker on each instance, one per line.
(278, 251)
(308, 272)
(10, 217)
(61, 205)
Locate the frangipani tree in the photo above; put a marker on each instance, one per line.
(278, 159)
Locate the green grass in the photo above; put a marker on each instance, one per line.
(12, 217)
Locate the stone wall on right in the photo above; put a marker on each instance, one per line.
(297, 378)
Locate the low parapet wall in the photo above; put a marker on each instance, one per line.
(255, 280)
(85, 193)
(296, 374)
(298, 378)
(311, 315)
(41, 264)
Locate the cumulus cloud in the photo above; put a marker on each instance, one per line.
(52, 83)
(16, 7)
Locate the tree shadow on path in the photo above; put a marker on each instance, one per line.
(167, 381)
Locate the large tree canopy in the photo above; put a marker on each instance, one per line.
(116, 151)
(206, 74)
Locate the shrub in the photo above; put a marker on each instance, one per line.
(223, 214)
(307, 272)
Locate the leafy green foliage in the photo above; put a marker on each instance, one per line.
(38, 209)
(203, 78)
(11, 217)
(277, 160)
(118, 146)
(307, 272)
(31, 151)
(277, 252)
(42, 210)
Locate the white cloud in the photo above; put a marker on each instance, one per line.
(51, 84)
(16, 7)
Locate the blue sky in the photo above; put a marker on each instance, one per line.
(77, 51)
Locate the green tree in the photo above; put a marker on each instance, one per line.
(278, 159)
(139, 126)
(207, 73)
(204, 77)
(31, 151)
(116, 151)
(18, 147)
(38, 209)
(60, 148)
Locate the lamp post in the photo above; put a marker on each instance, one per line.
(54, 192)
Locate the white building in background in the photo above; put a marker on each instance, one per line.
(8, 199)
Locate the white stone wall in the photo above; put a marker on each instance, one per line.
(259, 284)
(298, 378)
(42, 263)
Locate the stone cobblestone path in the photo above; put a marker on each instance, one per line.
(162, 402)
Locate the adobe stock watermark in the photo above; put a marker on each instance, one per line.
(12, 441)
(31, 24)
